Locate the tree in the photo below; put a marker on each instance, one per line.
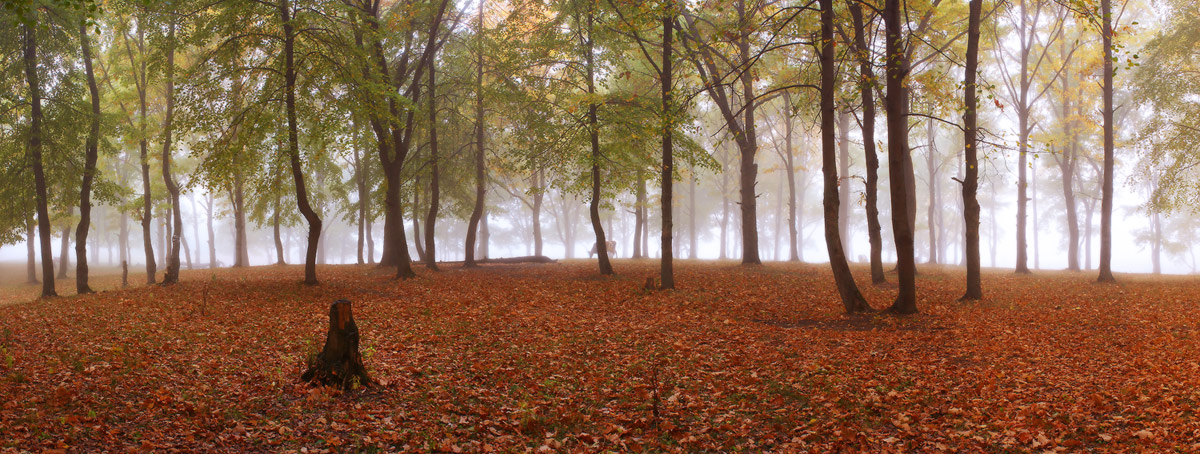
(1106, 197)
(899, 156)
(29, 31)
(867, 86)
(89, 169)
(852, 299)
(970, 184)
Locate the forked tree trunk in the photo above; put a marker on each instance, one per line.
(339, 363)
(867, 88)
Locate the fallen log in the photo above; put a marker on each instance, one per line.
(509, 260)
(339, 363)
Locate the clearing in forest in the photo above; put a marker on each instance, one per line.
(552, 358)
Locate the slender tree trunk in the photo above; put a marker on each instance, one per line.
(314, 221)
(934, 203)
(594, 135)
(970, 184)
(1106, 194)
(64, 257)
(1033, 201)
(480, 190)
(692, 236)
(212, 234)
(416, 209)
(852, 299)
(724, 214)
(89, 167)
(867, 87)
(843, 131)
(275, 221)
(667, 268)
(539, 196)
(144, 154)
(899, 158)
(1067, 168)
(793, 234)
(639, 214)
(240, 242)
(35, 154)
(1156, 242)
(31, 265)
(434, 189)
(172, 275)
(360, 182)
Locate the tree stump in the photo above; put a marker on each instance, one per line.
(339, 363)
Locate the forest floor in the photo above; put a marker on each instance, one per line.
(554, 358)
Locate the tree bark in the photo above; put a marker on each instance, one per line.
(1106, 194)
(314, 221)
(172, 275)
(867, 87)
(1066, 165)
(212, 234)
(594, 137)
(666, 265)
(934, 203)
(91, 152)
(35, 154)
(339, 363)
(240, 242)
(852, 299)
(416, 208)
(31, 264)
(793, 234)
(639, 214)
(64, 257)
(539, 195)
(480, 175)
(970, 184)
(843, 131)
(434, 189)
(899, 158)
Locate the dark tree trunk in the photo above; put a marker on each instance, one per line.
(172, 275)
(899, 158)
(867, 87)
(240, 244)
(852, 299)
(434, 189)
(89, 167)
(1106, 193)
(416, 208)
(143, 150)
(480, 175)
(340, 363)
(314, 221)
(970, 185)
(594, 136)
(35, 154)
(667, 268)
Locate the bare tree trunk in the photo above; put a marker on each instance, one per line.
(212, 234)
(594, 135)
(35, 152)
(538, 196)
(667, 268)
(970, 184)
(172, 275)
(867, 87)
(434, 189)
(240, 244)
(31, 266)
(360, 182)
(89, 167)
(143, 147)
(1106, 194)
(480, 176)
(934, 203)
(1066, 166)
(843, 131)
(639, 215)
(692, 236)
(852, 299)
(416, 208)
(899, 158)
(64, 257)
(793, 234)
(314, 221)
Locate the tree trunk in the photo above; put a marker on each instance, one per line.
(143, 150)
(275, 221)
(416, 208)
(1106, 194)
(639, 214)
(480, 190)
(867, 87)
(1067, 168)
(899, 158)
(852, 299)
(64, 257)
(314, 221)
(31, 265)
(172, 275)
(538, 196)
(240, 243)
(594, 136)
(843, 173)
(692, 236)
(793, 234)
(934, 203)
(666, 268)
(970, 184)
(212, 234)
(434, 189)
(339, 363)
(89, 167)
(360, 182)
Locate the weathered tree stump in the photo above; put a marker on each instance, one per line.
(339, 363)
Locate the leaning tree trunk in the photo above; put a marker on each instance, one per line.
(852, 299)
(89, 167)
(594, 134)
(434, 188)
(970, 133)
(339, 363)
